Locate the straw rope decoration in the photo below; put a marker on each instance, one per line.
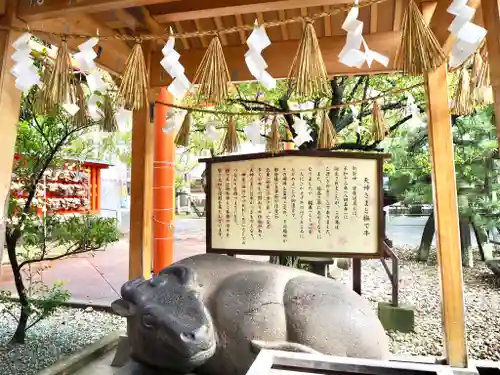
(462, 103)
(379, 124)
(476, 91)
(231, 141)
(477, 66)
(212, 74)
(134, 85)
(182, 137)
(327, 134)
(308, 77)
(108, 122)
(273, 143)
(420, 51)
(81, 117)
(58, 87)
(291, 112)
(41, 105)
(483, 79)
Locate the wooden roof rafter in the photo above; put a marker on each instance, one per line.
(29, 10)
(187, 16)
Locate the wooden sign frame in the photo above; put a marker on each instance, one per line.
(378, 157)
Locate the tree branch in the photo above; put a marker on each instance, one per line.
(393, 128)
(352, 94)
(37, 124)
(60, 256)
(348, 120)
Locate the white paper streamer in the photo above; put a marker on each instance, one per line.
(303, 131)
(123, 118)
(95, 112)
(252, 131)
(468, 36)
(170, 62)
(211, 131)
(168, 128)
(24, 70)
(85, 59)
(71, 108)
(351, 55)
(257, 41)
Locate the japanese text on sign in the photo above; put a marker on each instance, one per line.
(296, 204)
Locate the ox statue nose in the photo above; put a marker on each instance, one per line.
(198, 335)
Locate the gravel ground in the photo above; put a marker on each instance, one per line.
(70, 329)
(419, 286)
(67, 331)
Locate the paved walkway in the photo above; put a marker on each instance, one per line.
(98, 279)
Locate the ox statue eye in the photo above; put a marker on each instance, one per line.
(147, 321)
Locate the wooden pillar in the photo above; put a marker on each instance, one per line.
(10, 100)
(141, 194)
(164, 188)
(491, 19)
(446, 216)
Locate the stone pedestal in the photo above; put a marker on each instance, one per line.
(122, 353)
(398, 318)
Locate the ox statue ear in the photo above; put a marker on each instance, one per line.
(185, 275)
(123, 308)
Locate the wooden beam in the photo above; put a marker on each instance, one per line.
(10, 99)
(180, 30)
(220, 26)
(384, 43)
(127, 19)
(441, 20)
(491, 19)
(283, 27)
(446, 216)
(242, 33)
(398, 15)
(194, 9)
(113, 52)
(29, 10)
(373, 18)
(260, 18)
(203, 38)
(151, 23)
(428, 8)
(141, 195)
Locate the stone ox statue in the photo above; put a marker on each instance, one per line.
(210, 314)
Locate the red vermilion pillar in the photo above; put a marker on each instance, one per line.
(164, 185)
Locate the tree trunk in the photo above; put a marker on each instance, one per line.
(465, 242)
(426, 240)
(20, 333)
(480, 239)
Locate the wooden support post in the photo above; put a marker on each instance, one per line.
(164, 188)
(141, 195)
(491, 19)
(10, 100)
(446, 216)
